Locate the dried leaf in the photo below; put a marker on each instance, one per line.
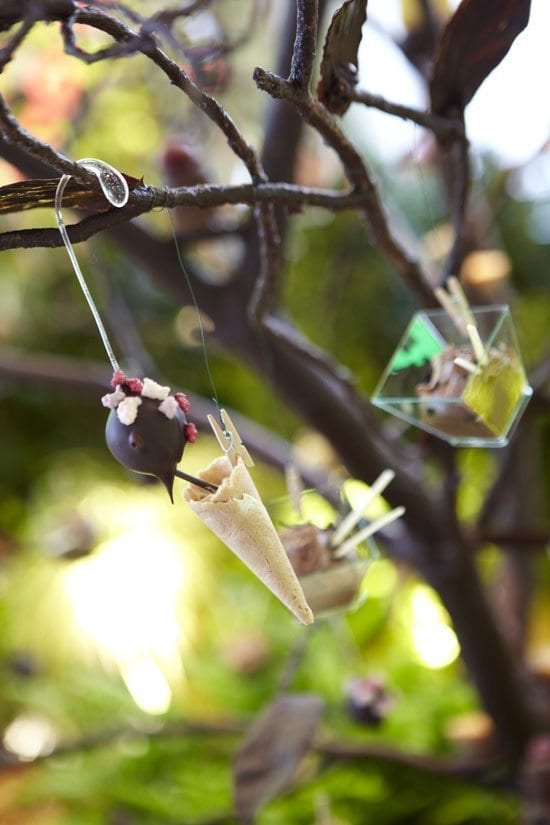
(272, 750)
(40, 194)
(339, 63)
(474, 42)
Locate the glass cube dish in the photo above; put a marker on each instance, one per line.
(331, 585)
(424, 386)
(336, 589)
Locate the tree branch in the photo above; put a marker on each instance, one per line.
(440, 126)
(207, 104)
(8, 51)
(478, 769)
(317, 116)
(305, 45)
(14, 133)
(208, 196)
(90, 380)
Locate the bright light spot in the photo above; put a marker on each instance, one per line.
(190, 324)
(531, 182)
(126, 599)
(485, 266)
(126, 595)
(434, 641)
(389, 136)
(389, 16)
(505, 115)
(29, 737)
(147, 685)
(380, 579)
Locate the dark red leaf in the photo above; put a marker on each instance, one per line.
(474, 42)
(272, 750)
(339, 63)
(40, 194)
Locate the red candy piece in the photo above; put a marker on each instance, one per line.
(190, 432)
(135, 385)
(183, 401)
(119, 378)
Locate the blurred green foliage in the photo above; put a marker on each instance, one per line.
(119, 764)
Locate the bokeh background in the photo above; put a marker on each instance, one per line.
(133, 648)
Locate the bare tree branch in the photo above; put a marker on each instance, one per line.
(305, 45)
(318, 117)
(13, 132)
(8, 51)
(312, 384)
(148, 198)
(440, 126)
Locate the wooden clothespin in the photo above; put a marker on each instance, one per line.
(456, 305)
(229, 439)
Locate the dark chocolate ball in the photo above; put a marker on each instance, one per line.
(152, 445)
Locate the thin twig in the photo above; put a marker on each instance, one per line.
(318, 117)
(525, 539)
(294, 659)
(13, 132)
(89, 380)
(479, 769)
(440, 126)
(207, 104)
(8, 51)
(456, 166)
(265, 293)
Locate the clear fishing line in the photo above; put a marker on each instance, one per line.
(202, 332)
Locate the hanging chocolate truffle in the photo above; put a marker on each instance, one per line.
(147, 428)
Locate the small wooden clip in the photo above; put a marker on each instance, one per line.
(229, 439)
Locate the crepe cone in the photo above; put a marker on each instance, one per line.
(237, 515)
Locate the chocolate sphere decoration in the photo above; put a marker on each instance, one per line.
(147, 428)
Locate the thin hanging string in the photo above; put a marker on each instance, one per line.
(200, 324)
(115, 189)
(421, 177)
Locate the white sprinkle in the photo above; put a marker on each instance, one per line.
(169, 407)
(113, 399)
(153, 390)
(127, 410)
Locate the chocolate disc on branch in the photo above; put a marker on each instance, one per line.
(147, 428)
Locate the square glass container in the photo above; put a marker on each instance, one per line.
(423, 386)
(336, 589)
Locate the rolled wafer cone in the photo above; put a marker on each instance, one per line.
(237, 515)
